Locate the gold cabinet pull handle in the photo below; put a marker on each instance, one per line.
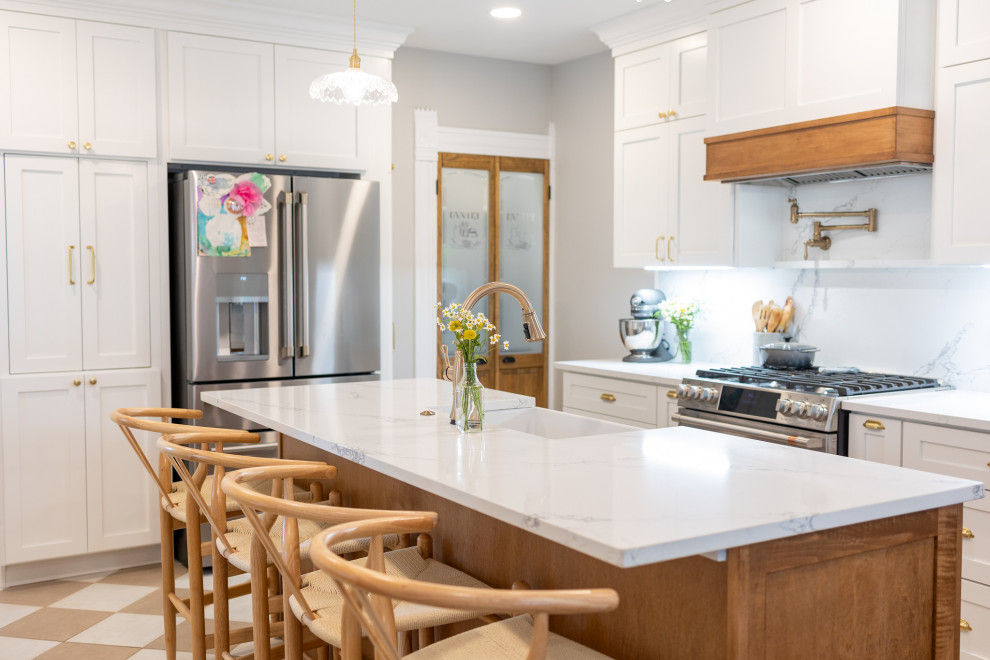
(608, 397)
(71, 144)
(671, 394)
(874, 425)
(968, 533)
(282, 158)
(670, 257)
(656, 248)
(76, 382)
(92, 264)
(269, 156)
(662, 115)
(92, 381)
(964, 625)
(671, 113)
(71, 248)
(87, 146)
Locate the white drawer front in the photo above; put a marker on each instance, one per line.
(975, 644)
(618, 399)
(952, 452)
(607, 418)
(976, 549)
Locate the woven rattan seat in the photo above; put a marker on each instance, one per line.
(176, 503)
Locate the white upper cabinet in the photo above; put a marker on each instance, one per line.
(774, 62)
(963, 31)
(660, 83)
(221, 103)
(76, 87)
(961, 233)
(640, 196)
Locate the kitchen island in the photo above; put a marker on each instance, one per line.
(719, 546)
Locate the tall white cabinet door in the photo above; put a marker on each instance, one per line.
(44, 467)
(309, 132)
(689, 76)
(642, 87)
(641, 162)
(959, 209)
(117, 102)
(43, 263)
(37, 83)
(220, 99)
(700, 227)
(963, 31)
(113, 207)
(121, 497)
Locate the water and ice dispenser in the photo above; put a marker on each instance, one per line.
(242, 316)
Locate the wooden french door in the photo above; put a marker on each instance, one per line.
(493, 224)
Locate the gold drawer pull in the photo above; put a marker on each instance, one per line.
(671, 394)
(76, 382)
(662, 115)
(656, 248)
(964, 625)
(968, 533)
(92, 381)
(874, 425)
(608, 397)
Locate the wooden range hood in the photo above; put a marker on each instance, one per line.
(885, 142)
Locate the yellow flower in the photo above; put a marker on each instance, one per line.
(455, 326)
(470, 334)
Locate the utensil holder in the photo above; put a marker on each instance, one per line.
(761, 339)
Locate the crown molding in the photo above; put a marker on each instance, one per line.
(650, 26)
(230, 18)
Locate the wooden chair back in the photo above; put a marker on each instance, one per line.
(369, 591)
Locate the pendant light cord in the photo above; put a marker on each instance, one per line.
(355, 61)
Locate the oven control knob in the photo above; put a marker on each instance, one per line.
(709, 394)
(800, 408)
(784, 406)
(694, 392)
(818, 412)
(682, 391)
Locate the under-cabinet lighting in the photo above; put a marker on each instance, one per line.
(506, 12)
(687, 267)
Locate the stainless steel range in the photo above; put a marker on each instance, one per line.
(799, 407)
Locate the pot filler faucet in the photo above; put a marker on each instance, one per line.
(532, 330)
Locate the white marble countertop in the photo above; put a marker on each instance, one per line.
(629, 498)
(657, 373)
(965, 409)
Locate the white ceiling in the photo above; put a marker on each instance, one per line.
(548, 32)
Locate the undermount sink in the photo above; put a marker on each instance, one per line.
(551, 424)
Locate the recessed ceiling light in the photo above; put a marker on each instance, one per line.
(506, 12)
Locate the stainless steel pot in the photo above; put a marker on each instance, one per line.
(784, 355)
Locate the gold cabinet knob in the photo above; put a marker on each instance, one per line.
(608, 397)
(671, 394)
(87, 146)
(72, 144)
(964, 625)
(874, 425)
(671, 113)
(92, 381)
(662, 115)
(968, 533)
(76, 382)
(282, 158)
(269, 156)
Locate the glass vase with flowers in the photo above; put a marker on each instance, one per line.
(681, 313)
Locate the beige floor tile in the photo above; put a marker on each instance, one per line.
(53, 624)
(123, 630)
(90, 577)
(142, 576)
(152, 603)
(41, 594)
(12, 648)
(104, 597)
(156, 654)
(11, 613)
(87, 652)
(183, 635)
(239, 609)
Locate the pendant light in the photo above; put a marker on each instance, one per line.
(354, 85)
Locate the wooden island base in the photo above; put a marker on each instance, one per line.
(883, 589)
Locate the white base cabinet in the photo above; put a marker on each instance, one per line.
(644, 405)
(71, 483)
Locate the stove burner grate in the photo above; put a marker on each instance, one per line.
(826, 382)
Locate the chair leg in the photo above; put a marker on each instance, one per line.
(168, 580)
(194, 554)
(292, 630)
(259, 601)
(221, 602)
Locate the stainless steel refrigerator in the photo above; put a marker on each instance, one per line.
(293, 300)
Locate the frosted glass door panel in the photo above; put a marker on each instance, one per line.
(463, 236)
(520, 260)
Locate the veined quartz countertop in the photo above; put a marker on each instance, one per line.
(657, 373)
(965, 409)
(628, 498)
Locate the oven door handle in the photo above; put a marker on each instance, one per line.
(734, 429)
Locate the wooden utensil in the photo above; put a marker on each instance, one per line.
(761, 323)
(787, 314)
(756, 313)
(776, 315)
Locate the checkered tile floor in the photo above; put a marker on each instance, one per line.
(108, 616)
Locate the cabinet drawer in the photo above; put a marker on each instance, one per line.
(618, 399)
(976, 549)
(975, 643)
(953, 452)
(607, 418)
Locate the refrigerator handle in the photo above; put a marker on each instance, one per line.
(302, 266)
(285, 339)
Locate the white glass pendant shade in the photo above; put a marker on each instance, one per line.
(353, 86)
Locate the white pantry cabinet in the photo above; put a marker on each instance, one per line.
(264, 114)
(665, 82)
(963, 31)
(776, 62)
(77, 264)
(71, 483)
(961, 233)
(76, 87)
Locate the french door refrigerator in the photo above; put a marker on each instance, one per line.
(275, 281)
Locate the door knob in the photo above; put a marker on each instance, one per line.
(92, 381)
